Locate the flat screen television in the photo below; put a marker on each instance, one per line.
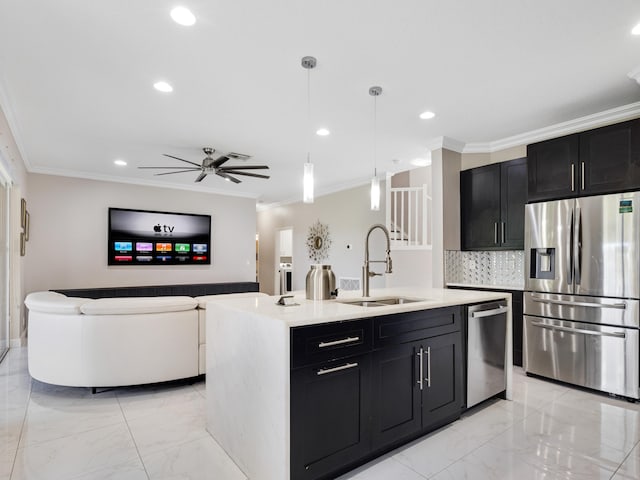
(144, 237)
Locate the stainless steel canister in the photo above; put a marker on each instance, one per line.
(321, 283)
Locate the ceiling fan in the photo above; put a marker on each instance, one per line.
(214, 166)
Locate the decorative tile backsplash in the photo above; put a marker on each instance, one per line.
(502, 268)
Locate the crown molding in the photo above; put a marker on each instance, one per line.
(138, 181)
(447, 143)
(613, 115)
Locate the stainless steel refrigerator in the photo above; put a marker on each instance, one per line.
(582, 292)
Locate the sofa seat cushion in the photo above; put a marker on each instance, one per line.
(52, 302)
(134, 305)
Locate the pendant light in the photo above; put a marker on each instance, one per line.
(307, 180)
(375, 183)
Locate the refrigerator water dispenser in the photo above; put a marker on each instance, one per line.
(543, 263)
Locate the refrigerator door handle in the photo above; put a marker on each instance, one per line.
(570, 254)
(579, 330)
(569, 303)
(577, 248)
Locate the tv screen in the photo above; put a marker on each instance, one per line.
(143, 237)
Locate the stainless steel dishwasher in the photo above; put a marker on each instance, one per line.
(486, 340)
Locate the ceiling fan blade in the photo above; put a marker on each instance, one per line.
(238, 172)
(238, 156)
(177, 168)
(228, 177)
(219, 161)
(200, 177)
(182, 160)
(245, 167)
(179, 171)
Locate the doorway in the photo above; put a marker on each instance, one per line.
(284, 261)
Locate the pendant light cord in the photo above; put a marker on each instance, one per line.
(308, 115)
(375, 135)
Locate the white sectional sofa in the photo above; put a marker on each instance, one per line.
(108, 342)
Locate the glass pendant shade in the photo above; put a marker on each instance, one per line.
(375, 194)
(307, 183)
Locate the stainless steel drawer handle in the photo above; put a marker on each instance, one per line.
(428, 377)
(420, 355)
(342, 341)
(579, 330)
(620, 306)
(346, 366)
(489, 313)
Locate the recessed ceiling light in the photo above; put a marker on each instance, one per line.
(636, 30)
(120, 163)
(183, 16)
(323, 132)
(427, 115)
(163, 87)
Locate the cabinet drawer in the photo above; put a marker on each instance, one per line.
(410, 326)
(321, 343)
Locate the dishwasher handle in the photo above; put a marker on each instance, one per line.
(489, 313)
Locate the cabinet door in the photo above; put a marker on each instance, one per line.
(513, 185)
(610, 158)
(396, 393)
(442, 395)
(480, 207)
(552, 168)
(330, 416)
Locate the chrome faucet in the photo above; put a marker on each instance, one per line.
(366, 274)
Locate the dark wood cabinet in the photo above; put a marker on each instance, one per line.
(417, 386)
(362, 387)
(598, 161)
(492, 200)
(330, 416)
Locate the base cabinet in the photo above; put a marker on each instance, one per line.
(381, 383)
(330, 411)
(416, 387)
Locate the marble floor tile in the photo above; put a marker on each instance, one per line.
(172, 427)
(76, 455)
(630, 468)
(197, 460)
(133, 470)
(386, 469)
(54, 416)
(155, 399)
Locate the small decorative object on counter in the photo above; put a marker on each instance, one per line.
(321, 283)
(318, 242)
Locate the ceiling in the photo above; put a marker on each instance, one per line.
(76, 82)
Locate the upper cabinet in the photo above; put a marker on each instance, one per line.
(602, 160)
(492, 200)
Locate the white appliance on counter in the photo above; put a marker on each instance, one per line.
(582, 292)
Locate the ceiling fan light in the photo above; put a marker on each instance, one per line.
(307, 183)
(120, 163)
(375, 194)
(323, 132)
(427, 115)
(183, 16)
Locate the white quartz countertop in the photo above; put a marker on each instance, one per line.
(310, 312)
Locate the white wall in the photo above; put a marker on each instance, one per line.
(348, 216)
(13, 163)
(68, 236)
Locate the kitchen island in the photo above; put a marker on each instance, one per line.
(266, 365)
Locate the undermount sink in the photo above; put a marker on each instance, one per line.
(381, 302)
